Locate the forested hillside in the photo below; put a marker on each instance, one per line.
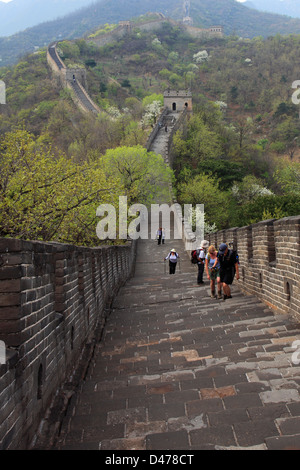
(239, 155)
(232, 15)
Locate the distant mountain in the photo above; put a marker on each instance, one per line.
(282, 7)
(235, 17)
(18, 15)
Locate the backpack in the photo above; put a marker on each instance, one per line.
(194, 256)
(231, 247)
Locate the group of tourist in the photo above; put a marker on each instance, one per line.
(221, 267)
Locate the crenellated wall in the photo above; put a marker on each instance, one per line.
(53, 298)
(154, 25)
(72, 78)
(269, 253)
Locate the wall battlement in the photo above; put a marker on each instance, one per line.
(72, 78)
(53, 297)
(125, 28)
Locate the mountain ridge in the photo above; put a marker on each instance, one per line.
(233, 16)
(290, 8)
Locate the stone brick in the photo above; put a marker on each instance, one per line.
(289, 426)
(167, 441)
(222, 392)
(253, 433)
(280, 396)
(245, 400)
(218, 436)
(283, 442)
(49, 345)
(195, 408)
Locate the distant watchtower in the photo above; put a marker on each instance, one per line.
(186, 13)
(178, 100)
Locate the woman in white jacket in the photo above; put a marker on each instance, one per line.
(172, 257)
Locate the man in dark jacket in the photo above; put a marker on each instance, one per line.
(229, 266)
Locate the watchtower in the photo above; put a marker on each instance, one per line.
(178, 101)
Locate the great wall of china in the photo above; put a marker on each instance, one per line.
(55, 298)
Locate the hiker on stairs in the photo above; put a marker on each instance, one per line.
(212, 267)
(201, 260)
(229, 267)
(159, 234)
(173, 258)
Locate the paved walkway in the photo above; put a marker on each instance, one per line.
(177, 370)
(160, 144)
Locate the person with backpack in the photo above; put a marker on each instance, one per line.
(229, 267)
(173, 258)
(199, 256)
(212, 267)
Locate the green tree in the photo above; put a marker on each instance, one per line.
(50, 197)
(144, 175)
(288, 178)
(153, 97)
(265, 207)
(204, 189)
(200, 144)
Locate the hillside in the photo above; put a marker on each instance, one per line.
(239, 154)
(234, 16)
(238, 19)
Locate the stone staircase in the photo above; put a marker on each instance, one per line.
(177, 370)
(87, 104)
(161, 142)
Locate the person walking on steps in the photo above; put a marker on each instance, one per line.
(229, 267)
(212, 267)
(159, 235)
(173, 258)
(201, 253)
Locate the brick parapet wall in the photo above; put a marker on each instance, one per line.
(269, 254)
(52, 298)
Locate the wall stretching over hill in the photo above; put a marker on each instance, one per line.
(53, 298)
(72, 78)
(269, 261)
(125, 27)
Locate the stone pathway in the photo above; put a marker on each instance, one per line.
(177, 370)
(160, 144)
